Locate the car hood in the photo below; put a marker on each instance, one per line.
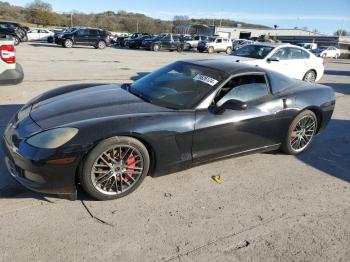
(89, 103)
(246, 60)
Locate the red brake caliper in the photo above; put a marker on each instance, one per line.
(130, 162)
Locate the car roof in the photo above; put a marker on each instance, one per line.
(225, 65)
(10, 22)
(273, 44)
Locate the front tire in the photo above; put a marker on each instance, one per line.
(68, 43)
(228, 50)
(101, 45)
(300, 133)
(211, 50)
(156, 48)
(115, 168)
(179, 49)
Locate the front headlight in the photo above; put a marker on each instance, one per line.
(24, 113)
(53, 138)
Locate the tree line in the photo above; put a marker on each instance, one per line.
(41, 14)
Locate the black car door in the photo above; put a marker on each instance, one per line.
(94, 36)
(81, 37)
(233, 131)
(165, 42)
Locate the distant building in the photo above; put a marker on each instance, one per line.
(244, 33)
(293, 36)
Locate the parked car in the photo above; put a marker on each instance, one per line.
(193, 43)
(238, 43)
(217, 44)
(293, 61)
(86, 36)
(133, 36)
(184, 114)
(39, 34)
(13, 30)
(325, 52)
(120, 41)
(147, 43)
(59, 33)
(169, 42)
(11, 73)
(308, 46)
(136, 43)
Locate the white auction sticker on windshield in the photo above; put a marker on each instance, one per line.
(206, 79)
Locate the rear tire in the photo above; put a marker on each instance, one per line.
(68, 43)
(300, 133)
(16, 40)
(93, 185)
(228, 50)
(310, 76)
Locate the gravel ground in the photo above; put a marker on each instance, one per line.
(270, 207)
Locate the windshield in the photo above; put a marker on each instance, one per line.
(180, 85)
(253, 51)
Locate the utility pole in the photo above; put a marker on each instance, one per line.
(341, 29)
(137, 26)
(71, 19)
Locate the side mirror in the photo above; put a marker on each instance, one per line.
(231, 104)
(273, 59)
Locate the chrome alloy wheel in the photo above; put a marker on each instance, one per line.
(302, 133)
(117, 170)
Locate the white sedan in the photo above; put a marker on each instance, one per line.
(330, 52)
(39, 34)
(293, 61)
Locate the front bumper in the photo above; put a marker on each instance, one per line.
(29, 166)
(202, 48)
(12, 76)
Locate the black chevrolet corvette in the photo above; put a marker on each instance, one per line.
(108, 137)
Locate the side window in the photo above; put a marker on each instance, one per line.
(166, 38)
(219, 40)
(282, 53)
(82, 32)
(3, 26)
(34, 31)
(243, 88)
(197, 38)
(176, 38)
(296, 53)
(93, 32)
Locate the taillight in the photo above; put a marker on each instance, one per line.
(7, 54)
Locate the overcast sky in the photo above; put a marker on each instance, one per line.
(325, 16)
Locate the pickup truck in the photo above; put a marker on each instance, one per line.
(218, 44)
(193, 43)
(11, 73)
